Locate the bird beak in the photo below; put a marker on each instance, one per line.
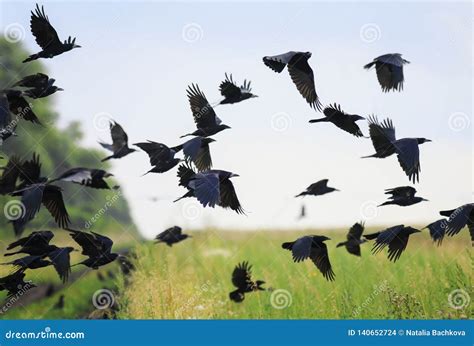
(234, 175)
(254, 96)
(60, 89)
(424, 199)
(76, 46)
(429, 140)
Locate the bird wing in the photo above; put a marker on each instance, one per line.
(241, 276)
(77, 175)
(353, 248)
(90, 245)
(203, 113)
(408, 154)
(21, 108)
(397, 246)
(319, 256)
(37, 81)
(278, 62)
(5, 117)
(157, 152)
(382, 135)
(10, 174)
(392, 59)
(228, 197)
(301, 249)
(302, 76)
(35, 239)
(228, 88)
(61, 262)
(30, 170)
(185, 175)
(385, 237)
(31, 198)
(53, 201)
(459, 218)
(197, 151)
(355, 232)
(437, 230)
(207, 188)
(318, 185)
(43, 31)
(401, 191)
(106, 242)
(119, 137)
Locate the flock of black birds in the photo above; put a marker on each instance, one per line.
(211, 187)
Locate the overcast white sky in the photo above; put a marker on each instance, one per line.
(138, 58)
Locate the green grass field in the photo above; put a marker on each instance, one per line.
(192, 280)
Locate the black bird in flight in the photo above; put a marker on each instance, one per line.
(86, 176)
(206, 120)
(29, 262)
(354, 239)
(395, 237)
(242, 279)
(14, 283)
(385, 144)
(347, 122)
(161, 157)
(60, 256)
(97, 247)
(171, 236)
(459, 218)
(47, 37)
(232, 93)
(437, 230)
(302, 212)
(300, 72)
(10, 175)
(20, 107)
(389, 68)
(317, 189)
(402, 196)
(196, 150)
(39, 84)
(313, 247)
(119, 145)
(7, 124)
(36, 190)
(35, 244)
(211, 188)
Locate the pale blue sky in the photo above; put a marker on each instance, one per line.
(137, 60)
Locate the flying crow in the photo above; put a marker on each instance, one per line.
(402, 196)
(389, 68)
(119, 145)
(354, 240)
(347, 122)
(242, 279)
(396, 238)
(171, 236)
(232, 93)
(317, 189)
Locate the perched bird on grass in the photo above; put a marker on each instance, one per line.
(14, 283)
(402, 196)
(232, 93)
(459, 218)
(347, 122)
(39, 84)
(385, 144)
(317, 189)
(396, 238)
(437, 230)
(119, 145)
(161, 156)
(354, 239)
(171, 236)
(242, 279)
(389, 68)
(47, 37)
(314, 248)
(35, 244)
(206, 120)
(93, 178)
(300, 72)
(211, 188)
(97, 247)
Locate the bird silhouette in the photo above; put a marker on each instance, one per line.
(354, 239)
(20, 107)
(7, 123)
(347, 122)
(300, 72)
(93, 178)
(47, 37)
(14, 283)
(171, 236)
(389, 68)
(402, 196)
(385, 144)
(35, 244)
(161, 156)
(196, 150)
(242, 279)
(317, 189)
(29, 262)
(232, 93)
(10, 175)
(314, 248)
(437, 230)
(396, 238)
(459, 218)
(119, 145)
(39, 84)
